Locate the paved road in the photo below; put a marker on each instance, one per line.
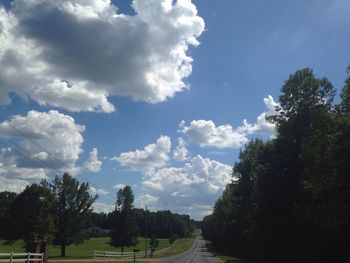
(197, 254)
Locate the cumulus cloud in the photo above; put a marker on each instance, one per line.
(262, 126)
(146, 161)
(146, 200)
(12, 185)
(26, 159)
(97, 191)
(93, 164)
(206, 134)
(180, 153)
(119, 186)
(189, 188)
(74, 54)
(102, 207)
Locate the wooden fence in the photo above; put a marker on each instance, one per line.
(140, 254)
(109, 254)
(22, 257)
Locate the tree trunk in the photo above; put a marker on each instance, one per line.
(63, 250)
(46, 252)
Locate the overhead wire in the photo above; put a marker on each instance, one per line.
(46, 151)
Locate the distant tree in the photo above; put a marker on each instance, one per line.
(73, 208)
(154, 243)
(124, 229)
(125, 199)
(172, 240)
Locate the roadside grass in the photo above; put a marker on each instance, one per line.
(226, 258)
(181, 245)
(84, 250)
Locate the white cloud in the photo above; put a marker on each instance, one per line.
(74, 98)
(12, 185)
(152, 157)
(97, 191)
(146, 200)
(180, 153)
(187, 189)
(262, 126)
(102, 207)
(75, 54)
(119, 186)
(206, 134)
(24, 160)
(93, 164)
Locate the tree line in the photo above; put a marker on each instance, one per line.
(163, 224)
(289, 200)
(59, 212)
(127, 223)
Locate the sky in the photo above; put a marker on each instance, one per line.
(160, 95)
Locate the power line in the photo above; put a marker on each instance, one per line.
(50, 154)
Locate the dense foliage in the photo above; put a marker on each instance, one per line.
(290, 198)
(124, 229)
(55, 212)
(162, 224)
(61, 213)
(72, 206)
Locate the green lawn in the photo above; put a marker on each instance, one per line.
(84, 250)
(181, 245)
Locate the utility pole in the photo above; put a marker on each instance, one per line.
(146, 234)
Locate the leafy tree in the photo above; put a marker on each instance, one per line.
(31, 217)
(345, 95)
(124, 230)
(172, 240)
(125, 199)
(6, 200)
(154, 243)
(290, 201)
(73, 208)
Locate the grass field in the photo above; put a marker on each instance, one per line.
(84, 250)
(181, 245)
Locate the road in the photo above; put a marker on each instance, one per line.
(197, 254)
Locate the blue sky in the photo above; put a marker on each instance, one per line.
(160, 95)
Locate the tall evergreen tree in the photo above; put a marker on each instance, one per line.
(124, 229)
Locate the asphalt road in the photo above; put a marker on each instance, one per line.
(197, 254)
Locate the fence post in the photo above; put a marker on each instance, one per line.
(11, 257)
(28, 257)
(94, 254)
(104, 254)
(42, 257)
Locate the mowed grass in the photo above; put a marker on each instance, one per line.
(84, 250)
(181, 245)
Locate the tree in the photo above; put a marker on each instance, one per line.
(172, 240)
(31, 216)
(124, 230)
(290, 201)
(125, 199)
(345, 95)
(6, 200)
(73, 207)
(154, 243)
